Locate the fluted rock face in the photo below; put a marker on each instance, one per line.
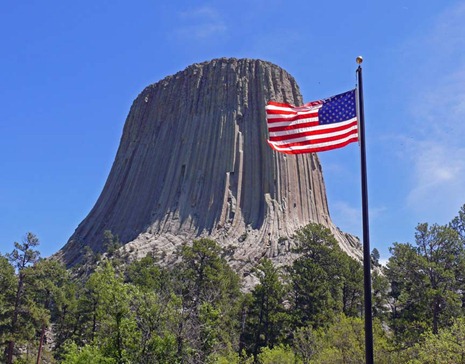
(193, 161)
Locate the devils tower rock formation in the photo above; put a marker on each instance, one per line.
(193, 161)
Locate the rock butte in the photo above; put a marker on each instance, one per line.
(193, 161)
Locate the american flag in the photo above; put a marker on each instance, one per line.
(314, 127)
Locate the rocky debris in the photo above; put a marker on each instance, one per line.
(193, 161)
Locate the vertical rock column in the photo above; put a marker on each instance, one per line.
(193, 161)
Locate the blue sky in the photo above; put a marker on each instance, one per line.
(69, 72)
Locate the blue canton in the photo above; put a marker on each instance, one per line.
(338, 108)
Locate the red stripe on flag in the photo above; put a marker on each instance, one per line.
(280, 112)
(280, 104)
(312, 148)
(293, 118)
(273, 129)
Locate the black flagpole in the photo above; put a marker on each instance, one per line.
(366, 230)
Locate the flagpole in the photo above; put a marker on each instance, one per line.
(366, 230)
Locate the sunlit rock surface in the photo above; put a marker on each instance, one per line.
(193, 161)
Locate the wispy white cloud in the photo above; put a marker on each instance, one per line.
(448, 33)
(200, 23)
(438, 178)
(437, 103)
(349, 218)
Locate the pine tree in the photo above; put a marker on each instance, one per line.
(324, 280)
(8, 284)
(426, 281)
(21, 324)
(267, 320)
(114, 323)
(209, 289)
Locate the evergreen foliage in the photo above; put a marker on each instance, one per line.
(110, 311)
(426, 282)
(324, 280)
(267, 322)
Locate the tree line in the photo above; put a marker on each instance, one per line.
(113, 310)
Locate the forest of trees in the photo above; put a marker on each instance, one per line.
(113, 310)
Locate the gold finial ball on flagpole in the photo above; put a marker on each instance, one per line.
(359, 59)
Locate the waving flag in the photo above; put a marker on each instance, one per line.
(314, 127)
